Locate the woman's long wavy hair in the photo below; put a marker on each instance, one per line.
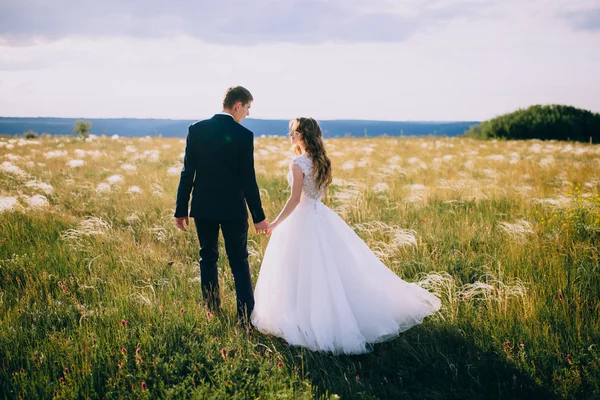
(312, 138)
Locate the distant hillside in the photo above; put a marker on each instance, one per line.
(178, 128)
(554, 121)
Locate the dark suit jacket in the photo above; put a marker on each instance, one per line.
(219, 166)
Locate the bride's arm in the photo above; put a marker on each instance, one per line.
(292, 202)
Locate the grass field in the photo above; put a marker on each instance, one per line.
(100, 294)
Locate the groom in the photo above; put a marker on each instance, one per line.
(219, 166)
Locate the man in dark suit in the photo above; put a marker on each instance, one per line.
(219, 166)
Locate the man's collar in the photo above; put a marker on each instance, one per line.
(224, 113)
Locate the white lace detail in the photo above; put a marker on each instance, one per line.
(309, 189)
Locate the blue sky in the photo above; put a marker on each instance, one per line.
(330, 59)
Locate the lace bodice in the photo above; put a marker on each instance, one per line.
(309, 189)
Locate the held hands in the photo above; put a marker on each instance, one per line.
(272, 227)
(182, 222)
(261, 227)
(266, 227)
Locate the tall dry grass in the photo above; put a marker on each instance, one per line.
(100, 298)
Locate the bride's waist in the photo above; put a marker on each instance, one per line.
(311, 206)
(306, 201)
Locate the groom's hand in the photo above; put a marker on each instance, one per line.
(182, 222)
(262, 226)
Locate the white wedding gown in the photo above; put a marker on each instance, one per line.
(321, 287)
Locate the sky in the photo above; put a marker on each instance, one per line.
(402, 60)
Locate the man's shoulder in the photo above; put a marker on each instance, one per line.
(220, 123)
(236, 126)
(200, 123)
(245, 130)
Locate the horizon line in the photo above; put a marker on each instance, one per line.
(250, 118)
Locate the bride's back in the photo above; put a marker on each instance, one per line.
(310, 189)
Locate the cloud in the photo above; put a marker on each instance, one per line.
(238, 23)
(584, 20)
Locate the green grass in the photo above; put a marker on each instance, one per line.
(99, 314)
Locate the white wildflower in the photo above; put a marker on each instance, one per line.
(417, 193)
(490, 173)
(535, 148)
(128, 167)
(394, 238)
(469, 164)
(75, 163)
(160, 233)
(487, 288)
(518, 229)
(348, 165)
(37, 201)
(44, 187)
(381, 187)
(175, 170)
(8, 203)
(55, 154)
(348, 200)
(115, 179)
(12, 169)
(132, 218)
(103, 187)
(559, 202)
(339, 182)
(12, 157)
(495, 157)
(95, 153)
(514, 157)
(88, 227)
(157, 190)
(404, 237)
(547, 161)
(148, 155)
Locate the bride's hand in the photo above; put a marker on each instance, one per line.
(271, 227)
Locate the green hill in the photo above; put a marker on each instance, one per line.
(547, 122)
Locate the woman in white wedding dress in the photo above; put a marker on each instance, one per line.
(320, 286)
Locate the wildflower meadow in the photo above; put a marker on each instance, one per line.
(100, 293)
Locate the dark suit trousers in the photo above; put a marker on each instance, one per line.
(235, 234)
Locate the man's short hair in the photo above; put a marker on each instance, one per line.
(235, 94)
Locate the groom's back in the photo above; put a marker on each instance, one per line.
(216, 143)
(217, 146)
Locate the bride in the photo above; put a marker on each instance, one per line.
(320, 286)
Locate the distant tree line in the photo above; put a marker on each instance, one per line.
(82, 128)
(547, 122)
(131, 127)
